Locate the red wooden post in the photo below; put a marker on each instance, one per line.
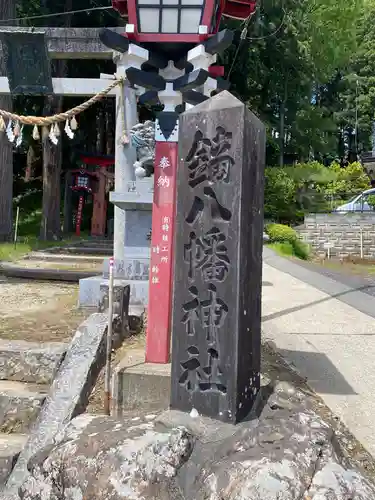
(79, 216)
(163, 217)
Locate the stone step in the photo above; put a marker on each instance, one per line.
(65, 257)
(20, 404)
(92, 242)
(10, 447)
(32, 362)
(83, 250)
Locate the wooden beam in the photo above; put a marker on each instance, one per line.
(69, 86)
(71, 43)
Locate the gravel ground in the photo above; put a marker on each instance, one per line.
(36, 311)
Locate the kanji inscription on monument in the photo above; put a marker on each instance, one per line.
(218, 260)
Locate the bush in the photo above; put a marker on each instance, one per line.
(371, 201)
(301, 249)
(281, 233)
(352, 179)
(284, 239)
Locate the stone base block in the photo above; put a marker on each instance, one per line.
(139, 385)
(23, 361)
(135, 268)
(10, 447)
(20, 404)
(89, 291)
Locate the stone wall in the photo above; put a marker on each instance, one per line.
(342, 232)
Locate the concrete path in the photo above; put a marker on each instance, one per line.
(326, 329)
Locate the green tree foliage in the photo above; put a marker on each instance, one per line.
(285, 69)
(290, 192)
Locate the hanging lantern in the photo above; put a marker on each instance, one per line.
(174, 21)
(82, 182)
(187, 21)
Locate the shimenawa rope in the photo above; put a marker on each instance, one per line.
(61, 117)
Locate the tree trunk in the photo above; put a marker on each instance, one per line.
(110, 127)
(31, 164)
(282, 124)
(7, 11)
(100, 130)
(52, 159)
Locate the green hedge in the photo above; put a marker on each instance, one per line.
(285, 239)
(281, 233)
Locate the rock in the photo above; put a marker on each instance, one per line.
(102, 458)
(30, 361)
(288, 453)
(69, 393)
(10, 447)
(333, 482)
(20, 404)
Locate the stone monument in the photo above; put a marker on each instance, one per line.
(216, 325)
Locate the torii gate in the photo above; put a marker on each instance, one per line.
(84, 43)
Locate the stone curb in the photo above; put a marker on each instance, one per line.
(69, 276)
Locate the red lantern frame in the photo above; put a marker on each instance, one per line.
(235, 9)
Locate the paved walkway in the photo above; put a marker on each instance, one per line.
(326, 328)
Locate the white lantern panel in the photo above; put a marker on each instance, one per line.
(148, 2)
(192, 2)
(169, 22)
(148, 20)
(190, 20)
(169, 2)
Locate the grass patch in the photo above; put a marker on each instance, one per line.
(285, 241)
(284, 249)
(357, 268)
(8, 252)
(30, 244)
(28, 240)
(287, 249)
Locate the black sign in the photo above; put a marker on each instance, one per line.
(217, 289)
(27, 63)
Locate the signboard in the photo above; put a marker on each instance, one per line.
(163, 215)
(27, 63)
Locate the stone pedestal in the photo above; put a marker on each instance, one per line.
(133, 263)
(218, 260)
(133, 206)
(140, 386)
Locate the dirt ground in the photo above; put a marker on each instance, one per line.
(38, 311)
(96, 403)
(349, 266)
